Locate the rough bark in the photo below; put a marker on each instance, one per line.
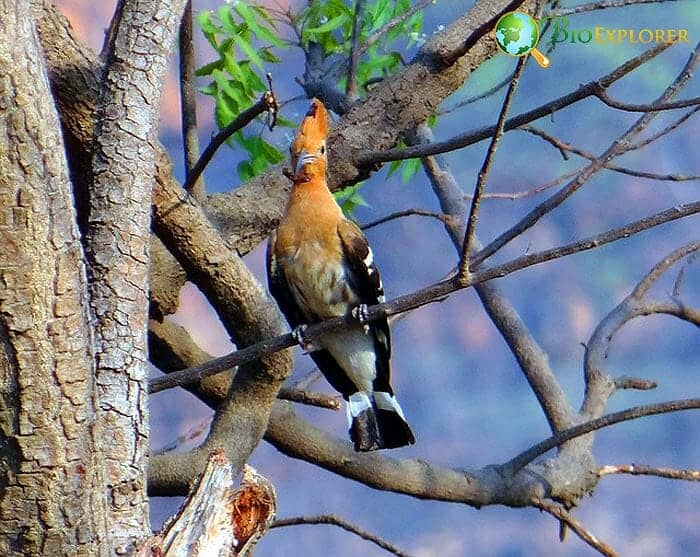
(51, 501)
(117, 240)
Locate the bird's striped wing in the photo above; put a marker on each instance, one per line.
(366, 282)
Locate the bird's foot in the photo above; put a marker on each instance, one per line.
(299, 334)
(361, 315)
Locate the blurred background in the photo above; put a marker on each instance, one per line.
(458, 383)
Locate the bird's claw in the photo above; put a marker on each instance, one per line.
(361, 315)
(299, 334)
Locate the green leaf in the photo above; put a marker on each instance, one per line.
(393, 167)
(207, 69)
(271, 154)
(410, 168)
(330, 25)
(261, 32)
(245, 171)
(246, 47)
(284, 123)
(268, 56)
(226, 18)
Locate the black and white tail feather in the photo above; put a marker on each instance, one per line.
(376, 421)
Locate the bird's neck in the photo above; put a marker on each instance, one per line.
(311, 197)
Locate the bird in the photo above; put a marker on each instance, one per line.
(320, 266)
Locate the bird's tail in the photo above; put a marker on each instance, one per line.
(377, 422)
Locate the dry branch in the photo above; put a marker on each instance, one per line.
(644, 470)
(335, 520)
(217, 518)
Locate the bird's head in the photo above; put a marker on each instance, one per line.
(308, 150)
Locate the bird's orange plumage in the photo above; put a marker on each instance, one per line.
(320, 266)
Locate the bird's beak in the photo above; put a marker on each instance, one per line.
(304, 158)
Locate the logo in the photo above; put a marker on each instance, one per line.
(518, 34)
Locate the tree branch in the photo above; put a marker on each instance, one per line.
(474, 136)
(644, 470)
(601, 5)
(599, 386)
(564, 517)
(473, 216)
(616, 148)
(188, 102)
(335, 520)
(526, 457)
(445, 219)
(567, 147)
(650, 107)
(417, 299)
(351, 84)
(117, 249)
(266, 103)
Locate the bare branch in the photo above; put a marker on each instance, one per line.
(615, 148)
(266, 103)
(408, 213)
(351, 85)
(635, 383)
(644, 470)
(561, 514)
(651, 107)
(474, 136)
(564, 148)
(416, 299)
(188, 101)
(473, 216)
(601, 5)
(335, 520)
(310, 399)
(524, 458)
(664, 131)
(678, 283)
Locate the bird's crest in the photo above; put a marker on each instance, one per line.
(308, 150)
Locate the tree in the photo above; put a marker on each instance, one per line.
(81, 318)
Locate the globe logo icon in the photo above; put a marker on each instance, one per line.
(517, 34)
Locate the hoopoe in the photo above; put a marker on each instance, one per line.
(320, 266)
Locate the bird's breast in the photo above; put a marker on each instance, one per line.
(318, 279)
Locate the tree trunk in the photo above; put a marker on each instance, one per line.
(51, 502)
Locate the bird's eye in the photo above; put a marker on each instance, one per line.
(322, 150)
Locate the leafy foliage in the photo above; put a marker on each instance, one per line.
(244, 36)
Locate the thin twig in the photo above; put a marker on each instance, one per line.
(615, 148)
(266, 103)
(661, 133)
(319, 400)
(636, 383)
(526, 457)
(335, 520)
(398, 20)
(678, 283)
(602, 5)
(649, 107)
(473, 217)
(416, 299)
(564, 148)
(563, 516)
(351, 85)
(644, 470)
(188, 102)
(514, 196)
(546, 109)
(446, 219)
